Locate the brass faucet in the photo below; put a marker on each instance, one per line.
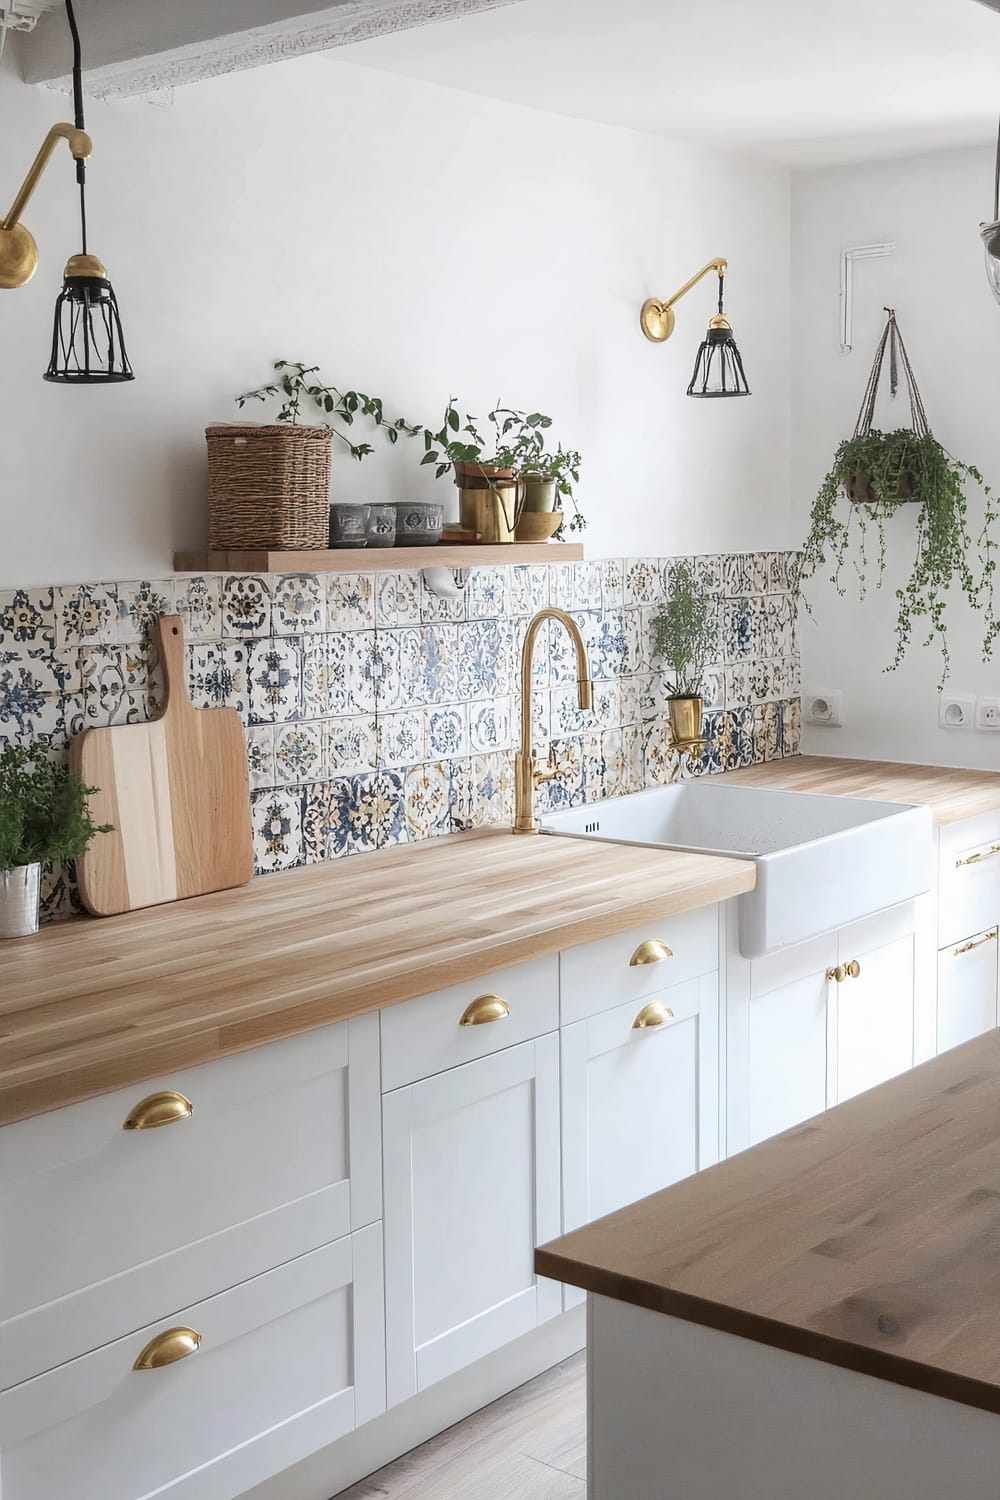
(526, 772)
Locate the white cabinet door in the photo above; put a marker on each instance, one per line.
(967, 989)
(872, 1007)
(471, 1162)
(785, 1026)
(640, 1105)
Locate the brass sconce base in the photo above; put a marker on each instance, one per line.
(18, 257)
(657, 320)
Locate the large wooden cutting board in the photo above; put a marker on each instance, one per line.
(178, 793)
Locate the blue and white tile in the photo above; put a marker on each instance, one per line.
(384, 807)
(446, 731)
(660, 760)
(350, 601)
(635, 647)
(37, 670)
(325, 820)
(738, 574)
(326, 674)
(440, 664)
(260, 754)
(246, 606)
(490, 725)
(274, 670)
(217, 675)
(541, 720)
(713, 687)
(401, 738)
(615, 782)
(28, 619)
(298, 604)
(299, 755)
(427, 797)
(434, 609)
(613, 582)
(106, 703)
(529, 589)
(488, 594)
(86, 615)
(350, 745)
(606, 644)
(633, 742)
(540, 656)
(198, 602)
(766, 732)
(482, 791)
(738, 688)
(586, 586)
(594, 768)
(277, 828)
(397, 599)
(739, 629)
(566, 789)
(643, 582)
(140, 605)
(562, 652)
(566, 715)
(710, 572)
(484, 667)
(787, 677)
(791, 727)
(27, 712)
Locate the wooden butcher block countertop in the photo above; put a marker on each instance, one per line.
(952, 795)
(868, 1237)
(91, 1005)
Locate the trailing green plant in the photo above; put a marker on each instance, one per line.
(873, 476)
(683, 632)
(512, 441)
(44, 810)
(298, 384)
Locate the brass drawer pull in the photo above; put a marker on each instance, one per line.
(167, 1348)
(653, 1014)
(989, 937)
(484, 1009)
(650, 952)
(164, 1108)
(977, 859)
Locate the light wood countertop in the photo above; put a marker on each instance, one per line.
(867, 1237)
(951, 794)
(91, 1005)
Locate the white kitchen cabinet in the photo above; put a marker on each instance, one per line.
(873, 1002)
(640, 1102)
(785, 1036)
(471, 1163)
(967, 989)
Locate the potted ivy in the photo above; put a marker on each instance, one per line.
(875, 476)
(683, 634)
(44, 818)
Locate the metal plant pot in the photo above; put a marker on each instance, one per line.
(19, 901)
(686, 719)
(539, 494)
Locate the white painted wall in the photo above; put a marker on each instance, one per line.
(417, 241)
(931, 207)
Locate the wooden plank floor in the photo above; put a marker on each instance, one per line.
(530, 1445)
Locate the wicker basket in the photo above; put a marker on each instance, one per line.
(268, 487)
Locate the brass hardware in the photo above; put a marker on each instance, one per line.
(839, 973)
(18, 251)
(649, 952)
(653, 1014)
(977, 859)
(483, 1010)
(686, 716)
(657, 318)
(164, 1108)
(526, 773)
(854, 969)
(989, 937)
(167, 1348)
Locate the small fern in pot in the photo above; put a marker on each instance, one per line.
(683, 635)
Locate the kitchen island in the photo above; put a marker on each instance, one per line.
(818, 1317)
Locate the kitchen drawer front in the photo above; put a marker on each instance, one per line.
(288, 1362)
(969, 884)
(103, 1229)
(599, 975)
(424, 1036)
(967, 989)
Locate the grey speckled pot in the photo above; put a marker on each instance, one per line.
(348, 525)
(381, 528)
(419, 523)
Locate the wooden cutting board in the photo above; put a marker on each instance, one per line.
(177, 790)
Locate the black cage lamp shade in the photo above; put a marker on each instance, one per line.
(718, 367)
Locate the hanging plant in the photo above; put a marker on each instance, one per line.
(877, 474)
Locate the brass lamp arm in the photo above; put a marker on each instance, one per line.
(657, 317)
(80, 146)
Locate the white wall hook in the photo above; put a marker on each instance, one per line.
(847, 259)
(447, 583)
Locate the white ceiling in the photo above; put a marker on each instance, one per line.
(803, 82)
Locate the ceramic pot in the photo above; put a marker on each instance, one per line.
(538, 526)
(19, 901)
(539, 494)
(685, 719)
(381, 528)
(349, 525)
(419, 523)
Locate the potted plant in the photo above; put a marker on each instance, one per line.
(683, 634)
(44, 817)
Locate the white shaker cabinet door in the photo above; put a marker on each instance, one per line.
(873, 1003)
(967, 989)
(640, 1098)
(471, 1161)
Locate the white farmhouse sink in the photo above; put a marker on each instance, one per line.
(821, 861)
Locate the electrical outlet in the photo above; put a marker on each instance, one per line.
(823, 708)
(988, 713)
(956, 711)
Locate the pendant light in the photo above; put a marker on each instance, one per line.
(718, 366)
(88, 344)
(990, 234)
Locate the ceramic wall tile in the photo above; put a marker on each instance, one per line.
(274, 670)
(217, 675)
(766, 732)
(198, 601)
(277, 828)
(437, 610)
(439, 667)
(260, 754)
(484, 660)
(529, 589)
(791, 726)
(615, 770)
(246, 606)
(383, 807)
(27, 711)
(397, 599)
(28, 619)
(446, 731)
(711, 573)
(351, 601)
(490, 725)
(427, 794)
(643, 583)
(351, 745)
(299, 753)
(567, 789)
(401, 740)
(613, 582)
(140, 605)
(488, 594)
(606, 645)
(298, 604)
(28, 670)
(86, 615)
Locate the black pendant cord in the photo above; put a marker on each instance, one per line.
(721, 280)
(78, 119)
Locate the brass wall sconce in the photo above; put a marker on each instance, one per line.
(718, 366)
(88, 344)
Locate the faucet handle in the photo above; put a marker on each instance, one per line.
(554, 769)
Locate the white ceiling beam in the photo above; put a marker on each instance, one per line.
(139, 46)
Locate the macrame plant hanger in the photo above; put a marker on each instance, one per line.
(892, 340)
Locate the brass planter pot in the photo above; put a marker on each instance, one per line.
(539, 494)
(490, 501)
(686, 719)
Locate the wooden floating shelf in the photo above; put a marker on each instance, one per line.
(368, 559)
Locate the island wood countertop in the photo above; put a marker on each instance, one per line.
(94, 1004)
(951, 794)
(868, 1237)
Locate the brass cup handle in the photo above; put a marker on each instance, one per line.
(164, 1108)
(167, 1348)
(989, 937)
(650, 952)
(653, 1014)
(484, 1009)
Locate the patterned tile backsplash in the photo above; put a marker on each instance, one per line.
(379, 713)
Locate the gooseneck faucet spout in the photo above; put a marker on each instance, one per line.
(526, 772)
